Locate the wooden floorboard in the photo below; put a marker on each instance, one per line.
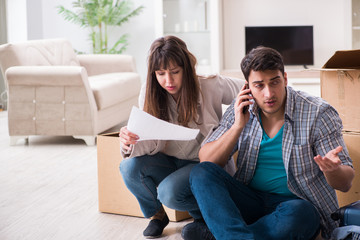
(48, 190)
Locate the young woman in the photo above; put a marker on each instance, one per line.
(157, 171)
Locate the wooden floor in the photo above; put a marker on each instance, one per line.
(48, 190)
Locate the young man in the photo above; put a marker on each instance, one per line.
(291, 158)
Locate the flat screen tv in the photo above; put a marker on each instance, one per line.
(295, 43)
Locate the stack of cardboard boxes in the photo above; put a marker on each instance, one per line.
(340, 86)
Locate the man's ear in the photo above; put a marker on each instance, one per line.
(285, 79)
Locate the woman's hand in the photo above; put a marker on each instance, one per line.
(127, 138)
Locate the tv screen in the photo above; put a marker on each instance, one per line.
(295, 43)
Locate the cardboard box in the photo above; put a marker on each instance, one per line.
(340, 86)
(352, 140)
(114, 197)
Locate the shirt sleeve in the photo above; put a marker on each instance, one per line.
(328, 134)
(225, 124)
(149, 147)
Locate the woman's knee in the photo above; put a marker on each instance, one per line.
(130, 168)
(168, 193)
(174, 190)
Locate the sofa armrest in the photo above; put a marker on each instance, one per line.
(96, 64)
(51, 100)
(51, 76)
(46, 75)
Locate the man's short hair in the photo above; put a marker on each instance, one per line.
(261, 59)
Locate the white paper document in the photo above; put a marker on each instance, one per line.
(148, 127)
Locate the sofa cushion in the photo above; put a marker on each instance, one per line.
(109, 88)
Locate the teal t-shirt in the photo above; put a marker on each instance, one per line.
(270, 174)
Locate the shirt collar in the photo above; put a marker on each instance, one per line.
(290, 104)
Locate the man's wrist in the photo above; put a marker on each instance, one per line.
(235, 129)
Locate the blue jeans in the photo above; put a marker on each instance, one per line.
(160, 179)
(232, 210)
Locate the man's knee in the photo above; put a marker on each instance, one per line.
(303, 220)
(200, 172)
(301, 210)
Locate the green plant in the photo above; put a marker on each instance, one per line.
(98, 15)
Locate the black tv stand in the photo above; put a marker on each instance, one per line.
(305, 66)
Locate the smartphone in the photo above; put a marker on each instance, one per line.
(246, 108)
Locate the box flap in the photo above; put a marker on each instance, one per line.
(111, 134)
(344, 59)
(338, 69)
(351, 133)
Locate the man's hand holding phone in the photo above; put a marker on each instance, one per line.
(241, 106)
(246, 107)
(245, 95)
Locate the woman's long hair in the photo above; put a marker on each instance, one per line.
(163, 51)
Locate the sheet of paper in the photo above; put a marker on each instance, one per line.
(148, 127)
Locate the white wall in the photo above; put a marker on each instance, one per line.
(16, 15)
(331, 20)
(39, 19)
(140, 29)
(31, 19)
(34, 19)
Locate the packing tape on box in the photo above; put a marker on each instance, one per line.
(341, 84)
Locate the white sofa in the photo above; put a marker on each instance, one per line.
(53, 91)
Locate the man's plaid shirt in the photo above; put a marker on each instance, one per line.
(311, 127)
